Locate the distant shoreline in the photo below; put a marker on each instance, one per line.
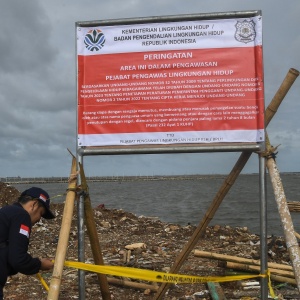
(29, 180)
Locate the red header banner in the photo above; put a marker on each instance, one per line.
(171, 83)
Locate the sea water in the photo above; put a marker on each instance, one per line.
(186, 200)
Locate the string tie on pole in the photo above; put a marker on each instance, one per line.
(270, 153)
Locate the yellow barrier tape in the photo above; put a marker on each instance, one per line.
(39, 276)
(150, 275)
(272, 294)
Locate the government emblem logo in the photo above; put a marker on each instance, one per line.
(94, 40)
(245, 31)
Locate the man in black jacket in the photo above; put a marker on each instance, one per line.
(15, 226)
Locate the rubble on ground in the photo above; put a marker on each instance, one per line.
(144, 243)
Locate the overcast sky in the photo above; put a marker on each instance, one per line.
(38, 86)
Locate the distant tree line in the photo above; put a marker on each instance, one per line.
(18, 179)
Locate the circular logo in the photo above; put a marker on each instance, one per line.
(94, 40)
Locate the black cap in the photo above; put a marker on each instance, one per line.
(43, 197)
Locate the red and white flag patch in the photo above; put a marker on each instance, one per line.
(43, 197)
(24, 230)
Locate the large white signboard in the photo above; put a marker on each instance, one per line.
(198, 81)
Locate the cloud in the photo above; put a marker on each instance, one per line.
(38, 85)
(24, 37)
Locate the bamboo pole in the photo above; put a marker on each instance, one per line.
(253, 268)
(285, 86)
(229, 181)
(279, 278)
(272, 276)
(224, 257)
(92, 233)
(285, 216)
(294, 206)
(63, 235)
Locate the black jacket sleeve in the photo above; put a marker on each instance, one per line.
(18, 258)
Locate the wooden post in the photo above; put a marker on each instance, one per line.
(285, 86)
(63, 236)
(285, 216)
(236, 259)
(229, 181)
(249, 267)
(92, 233)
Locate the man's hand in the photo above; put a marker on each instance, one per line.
(46, 264)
